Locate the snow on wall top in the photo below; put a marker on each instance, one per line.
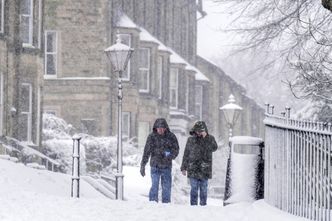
(246, 140)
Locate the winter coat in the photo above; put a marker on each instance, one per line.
(197, 158)
(157, 145)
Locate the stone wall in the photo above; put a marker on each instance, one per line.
(80, 93)
(84, 103)
(83, 34)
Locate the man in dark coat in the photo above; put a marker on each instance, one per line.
(197, 161)
(161, 147)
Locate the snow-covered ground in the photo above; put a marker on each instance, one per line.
(39, 195)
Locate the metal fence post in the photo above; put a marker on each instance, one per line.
(75, 180)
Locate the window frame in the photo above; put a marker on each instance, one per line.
(50, 111)
(127, 71)
(174, 87)
(187, 94)
(142, 125)
(1, 102)
(30, 29)
(199, 88)
(39, 114)
(55, 54)
(128, 115)
(160, 76)
(40, 18)
(28, 113)
(146, 70)
(2, 17)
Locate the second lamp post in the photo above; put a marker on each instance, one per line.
(119, 55)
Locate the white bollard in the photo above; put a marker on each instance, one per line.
(75, 180)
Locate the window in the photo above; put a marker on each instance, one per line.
(1, 103)
(26, 22)
(144, 70)
(39, 114)
(198, 101)
(2, 15)
(187, 94)
(89, 126)
(51, 112)
(160, 77)
(50, 53)
(126, 39)
(173, 87)
(126, 125)
(143, 133)
(40, 18)
(26, 113)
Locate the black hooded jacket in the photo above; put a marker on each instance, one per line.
(156, 146)
(197, 157)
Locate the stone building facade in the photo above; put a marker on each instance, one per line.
(162, 79)
(79, 84)
(52, 59)
(21, 70)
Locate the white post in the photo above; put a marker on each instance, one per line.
(75, 184)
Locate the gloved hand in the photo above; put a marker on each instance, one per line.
(142, 171)
(167, 153)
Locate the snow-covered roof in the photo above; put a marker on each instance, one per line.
(199, 76)
(126, 22)
(144, 35)
(177, 59)
(246, 140)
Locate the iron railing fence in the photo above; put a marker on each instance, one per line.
(298, 166)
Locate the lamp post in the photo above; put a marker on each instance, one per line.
(231, 112)
(119, 55)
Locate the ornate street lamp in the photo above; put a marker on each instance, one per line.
(119, 55)
(231, 112)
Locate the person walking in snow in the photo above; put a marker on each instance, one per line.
(161, 147)
(197, 161)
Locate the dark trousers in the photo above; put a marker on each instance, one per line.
(201, 186)
(165, 176)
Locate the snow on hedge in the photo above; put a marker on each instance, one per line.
(97, 153)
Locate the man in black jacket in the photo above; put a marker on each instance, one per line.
(197, 161)
(161, 147)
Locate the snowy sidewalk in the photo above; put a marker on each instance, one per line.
(29, 194)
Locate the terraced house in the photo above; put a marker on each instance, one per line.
(52, 60)
(21, 70)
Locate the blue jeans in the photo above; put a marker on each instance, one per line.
(165, 175)
(201, 185)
